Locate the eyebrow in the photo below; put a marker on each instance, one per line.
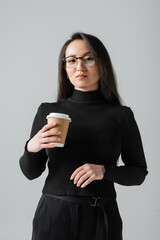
(73, 55)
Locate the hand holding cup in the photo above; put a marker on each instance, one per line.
(45, 138)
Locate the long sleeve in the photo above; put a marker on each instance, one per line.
(134, 170)
(99, 133)
(33, 164)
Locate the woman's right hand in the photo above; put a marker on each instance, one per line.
(44, 138)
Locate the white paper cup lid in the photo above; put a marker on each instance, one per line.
(59, 115)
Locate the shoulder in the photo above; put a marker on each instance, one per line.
(49, 106)
(46, 108)
(127, 118)
(120, 110)
(120, 113)
(126, 113)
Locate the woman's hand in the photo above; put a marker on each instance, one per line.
(44, 139)
(87, 173)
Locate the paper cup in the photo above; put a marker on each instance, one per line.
(62, 123)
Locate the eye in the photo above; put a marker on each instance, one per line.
(89, 58)
(89, 61)
(71, 60)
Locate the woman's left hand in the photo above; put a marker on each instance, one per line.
(87, 173)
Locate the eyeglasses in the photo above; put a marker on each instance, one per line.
(72, 62)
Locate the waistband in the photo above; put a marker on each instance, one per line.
(102, 220)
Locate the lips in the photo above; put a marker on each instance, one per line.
(81, 76)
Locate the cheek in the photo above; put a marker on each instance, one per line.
(70, 72)
(96, 72)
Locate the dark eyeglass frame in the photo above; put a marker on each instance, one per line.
(82, 58)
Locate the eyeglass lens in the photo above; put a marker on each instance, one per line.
(73, 62)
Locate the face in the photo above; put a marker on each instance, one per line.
(84, 78)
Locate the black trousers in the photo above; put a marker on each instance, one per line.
(56, 219)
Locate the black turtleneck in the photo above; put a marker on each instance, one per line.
(90, 97)
(99, 133)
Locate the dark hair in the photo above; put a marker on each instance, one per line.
(107, 82)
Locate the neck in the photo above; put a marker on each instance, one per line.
(87, 89)
(94, 96)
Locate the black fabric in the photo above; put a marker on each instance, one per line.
(100, 132)
(59, 219)
(102, 220)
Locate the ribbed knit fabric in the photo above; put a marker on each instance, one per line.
(99, 133)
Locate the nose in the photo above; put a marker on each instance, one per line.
(80, 64)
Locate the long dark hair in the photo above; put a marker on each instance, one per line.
(107, 82)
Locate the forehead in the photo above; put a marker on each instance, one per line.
(77, 48)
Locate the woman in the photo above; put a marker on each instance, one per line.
(79, 198)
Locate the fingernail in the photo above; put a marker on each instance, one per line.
(59, 132)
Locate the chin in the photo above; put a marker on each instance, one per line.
(82, 86)
(85, 89)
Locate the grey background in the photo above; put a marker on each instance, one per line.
(31, 36)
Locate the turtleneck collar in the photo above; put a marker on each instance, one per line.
(87, 97)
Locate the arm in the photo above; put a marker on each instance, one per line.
(134, 170)
(33, 164)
